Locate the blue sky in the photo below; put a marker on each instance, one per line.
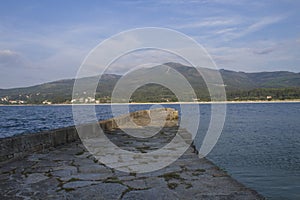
(42, 41)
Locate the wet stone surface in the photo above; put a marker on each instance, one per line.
(71, 172)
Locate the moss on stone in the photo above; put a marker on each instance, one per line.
(79, 153)
(113, 179)
(171, 175)
(69, 189)
(172, 186)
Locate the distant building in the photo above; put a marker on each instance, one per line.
(46, 102)
(269, 98)
(4, 99)
(84, 100)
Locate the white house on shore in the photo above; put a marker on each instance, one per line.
(46, 102)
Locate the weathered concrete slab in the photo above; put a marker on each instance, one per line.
(70, 172)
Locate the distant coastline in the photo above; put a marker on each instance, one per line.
(164, 103)
(239, 86)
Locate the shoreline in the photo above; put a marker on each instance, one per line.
(163, 103)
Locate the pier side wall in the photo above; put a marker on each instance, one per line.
(20, 145)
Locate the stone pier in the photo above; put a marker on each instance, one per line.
(69, 171)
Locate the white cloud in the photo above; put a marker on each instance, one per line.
(252, 57)
(230, 29)
(7, 52)
(256, 26)
(264, 51)
(225, 30)
(11, 59)
(56, 50)
(143, 57)
(209, 23)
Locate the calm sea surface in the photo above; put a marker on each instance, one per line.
(259, 145)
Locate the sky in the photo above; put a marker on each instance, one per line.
(42, 41)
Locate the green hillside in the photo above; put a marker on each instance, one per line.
(238, 85)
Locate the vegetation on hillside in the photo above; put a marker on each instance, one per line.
(239, 86)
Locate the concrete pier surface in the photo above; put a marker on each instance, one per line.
(69, 171)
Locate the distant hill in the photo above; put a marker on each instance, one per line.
(238, 85)
(57, 91)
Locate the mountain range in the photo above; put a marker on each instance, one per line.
(238, 86)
